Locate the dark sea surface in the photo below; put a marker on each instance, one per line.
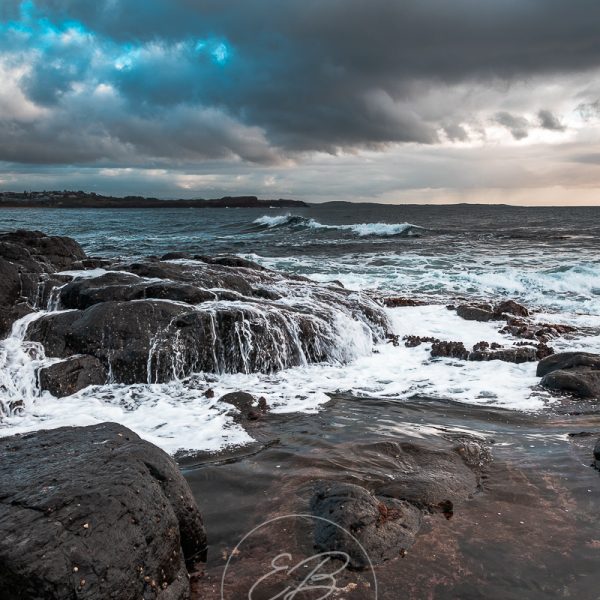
(532, 532)
(546, 255)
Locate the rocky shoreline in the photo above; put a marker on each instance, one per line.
(95, 512)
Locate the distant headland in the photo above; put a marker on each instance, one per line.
(70, 199)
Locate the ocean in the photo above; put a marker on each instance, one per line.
(545, 258)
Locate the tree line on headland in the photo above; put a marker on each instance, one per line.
(79, 199)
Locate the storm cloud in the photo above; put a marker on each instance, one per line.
(182, 84)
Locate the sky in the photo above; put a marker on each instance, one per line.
(397, 101)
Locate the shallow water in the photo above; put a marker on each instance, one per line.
(531, 532)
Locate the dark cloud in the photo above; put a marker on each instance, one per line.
(517, 125)
(548, 120)
(172, 82)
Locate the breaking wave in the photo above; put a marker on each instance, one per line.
(361, 229)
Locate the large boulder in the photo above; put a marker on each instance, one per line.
(207, 317)
(72, 375)
(577, 373)
(94, 512)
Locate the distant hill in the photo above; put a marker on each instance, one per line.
(68, 199)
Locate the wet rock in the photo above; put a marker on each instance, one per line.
(581, 382)
(484, 351)
(156, 341)
(412, 341)
(383, 527)
(248, 407)
(576, 373)
(120, 287)
(568, 360)
(10, 291)
(26, 260)
(542, 332)
(119, 334)
(396, 301)
(54, 252)
(483, 312)
(176, 256)
(148, 322)
(449, 350)
(94, 512)
(428, 476)
(72, 375)
(517, 355)
(511, 307)
(597, 455)
(231, 261)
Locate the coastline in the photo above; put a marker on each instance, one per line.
(426, 484)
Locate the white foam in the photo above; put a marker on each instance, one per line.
(172, 416)
(566, 284)
(272, 221)
(178, 416)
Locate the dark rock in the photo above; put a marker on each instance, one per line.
(10, 292)
(542, 332)
(396, 301)
(55, 252)
(573, 372)
(154, 340)
(83, 293)
(483, 351)
(122, 335)
(582, 382)
(231, 261)
(26, 260)
(175, 256)
(597, 455)
(72, 375)
(428, 476)
(543, 351)
(248, 407)
(412, 341)
(568, 360)
(146, 321)
(512, 308)
(94, 512)
(517, 355)
(383, 527)
(120, 287)
(449, 350)
(470, 312)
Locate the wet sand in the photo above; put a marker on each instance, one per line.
(531, 531)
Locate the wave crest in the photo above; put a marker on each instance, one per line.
(361, 229)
